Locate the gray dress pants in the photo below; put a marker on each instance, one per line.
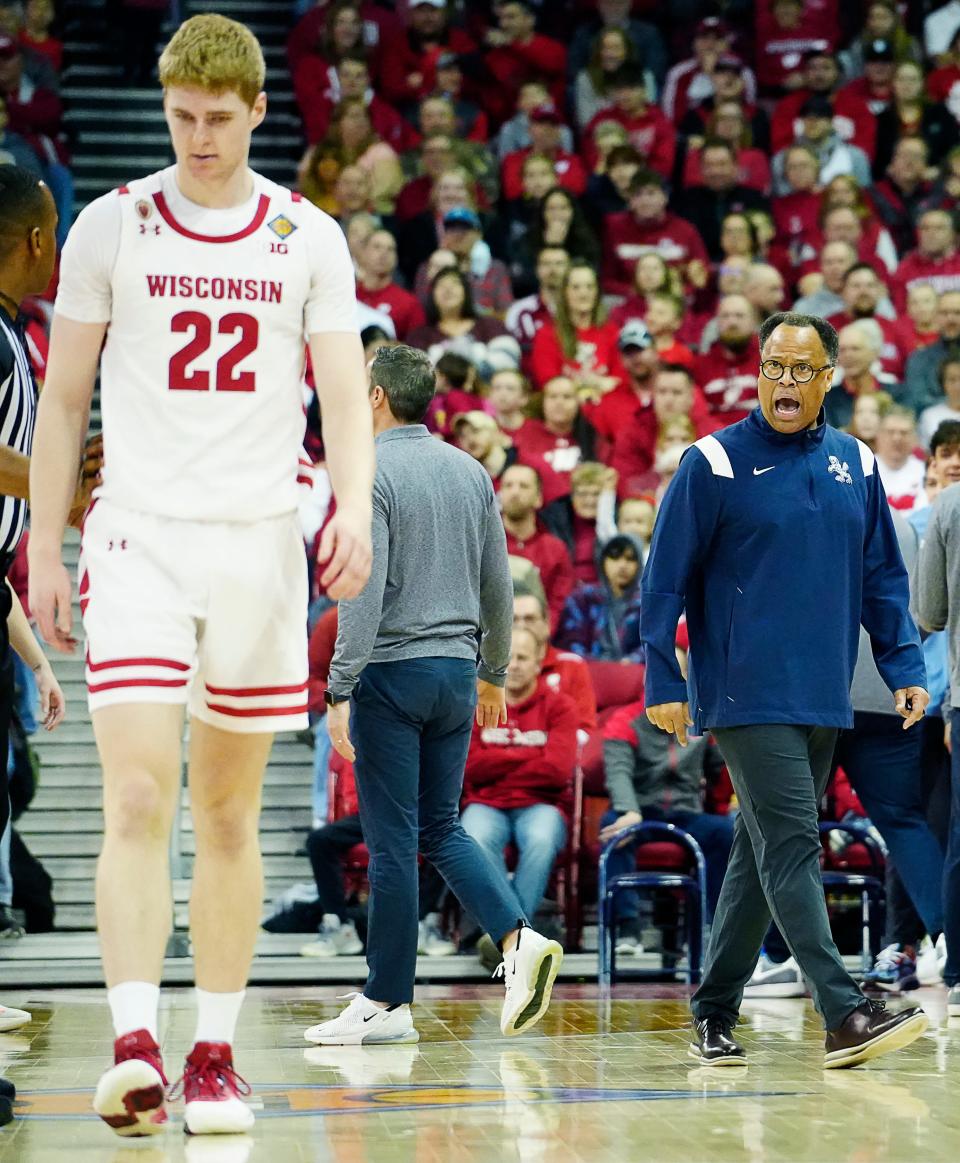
(779, 773)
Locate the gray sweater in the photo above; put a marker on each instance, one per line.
(868, 691)
(440, 580)
(938, 586)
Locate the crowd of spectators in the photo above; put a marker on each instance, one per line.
(583, 212)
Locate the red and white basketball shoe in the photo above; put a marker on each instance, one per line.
(212, 1090)
(130, 1097)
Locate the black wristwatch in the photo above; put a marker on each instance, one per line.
(330, 700)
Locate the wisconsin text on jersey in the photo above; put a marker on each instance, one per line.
(204, 287)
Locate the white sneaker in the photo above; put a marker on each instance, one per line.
(335, 938)
(12, 1019)
(364, 1024)
(929, 962)
(628, 947)
(771, 979)
(953, 1002)
(431, 941)
(528, 973)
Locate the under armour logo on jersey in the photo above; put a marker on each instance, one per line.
(841, 470)
(144, 229)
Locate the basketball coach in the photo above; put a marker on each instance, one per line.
(405, 684)
(776, 537)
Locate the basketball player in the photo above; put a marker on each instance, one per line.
(201, 284)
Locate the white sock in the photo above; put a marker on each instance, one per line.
(134, 1006)
(217, 1015)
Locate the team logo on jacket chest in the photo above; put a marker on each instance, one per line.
(840, 469)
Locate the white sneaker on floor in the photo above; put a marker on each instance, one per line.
(771, 979)
(12, 1019)
(931, 960)
(335, 938)
(364, 1024)
(528, 973)
(628, 947)
(953, 1002)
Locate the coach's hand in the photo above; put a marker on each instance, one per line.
(50, 597)
(491, 704)
(674, 718)
(345, 544)
(338, 728)
(911, 702)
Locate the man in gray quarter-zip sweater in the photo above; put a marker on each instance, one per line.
(938, 606)
(405, 685)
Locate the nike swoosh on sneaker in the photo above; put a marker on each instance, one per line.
(758, 472)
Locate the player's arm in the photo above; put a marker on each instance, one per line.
(330, 323)
(62, 418)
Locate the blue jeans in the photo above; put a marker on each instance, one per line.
(410, 723)
(951, 864)
(882, 762)
(539, 833)
(714, 834)
(322, 747)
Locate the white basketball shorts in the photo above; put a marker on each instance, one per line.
(205, 613)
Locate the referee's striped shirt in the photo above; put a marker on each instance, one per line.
(18, 405)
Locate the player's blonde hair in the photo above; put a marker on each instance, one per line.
(218, 55)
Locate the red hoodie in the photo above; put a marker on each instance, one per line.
(676, 240)
(729, 380)
(569, 674)
(405, 310)
(550, 556)
(529, 761)
(650, 134)
(942, 274)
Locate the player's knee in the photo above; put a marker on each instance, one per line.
(136, 810)
(225, 828)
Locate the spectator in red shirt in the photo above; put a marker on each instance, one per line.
(578, 519)
(943, 84)
(857, 371)
(578, 342)
(648, 226)
(691, 82)
(867, 235)
(509, 397)
(517, 54)
(408, 69)
(706, 206)
(652, 275)
(456, 392)
(478, 435)
(560, 670)
(518, 777)
(613, 413)
(796, 212)
(521, 498)
(33, 110)
(376, 286)
(471, 121)
(934, 261)
(564, 438)
(648, 131)
(545, 124)
(921, 316)
(784, 34)
(38, 18)
(852, 120)
(526, 316)
(728, 122)
(875, 87)
(663, 319)
(863, 293)
(319, 90)
(727, 371)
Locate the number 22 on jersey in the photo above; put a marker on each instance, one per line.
(190, 372)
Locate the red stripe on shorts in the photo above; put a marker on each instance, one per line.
(251, 691)
(117, 663)
(95, 688)
(256, 712)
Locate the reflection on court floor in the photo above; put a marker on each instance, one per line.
(600, 1080)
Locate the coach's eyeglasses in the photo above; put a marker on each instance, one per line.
(803, 373)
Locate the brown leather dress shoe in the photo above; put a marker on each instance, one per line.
(870, 1031)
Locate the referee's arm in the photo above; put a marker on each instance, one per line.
(359, 618)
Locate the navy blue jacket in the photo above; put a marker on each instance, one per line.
(778, 547)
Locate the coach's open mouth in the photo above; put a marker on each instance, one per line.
(786, 407)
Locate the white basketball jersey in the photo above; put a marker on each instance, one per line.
(202, 369)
